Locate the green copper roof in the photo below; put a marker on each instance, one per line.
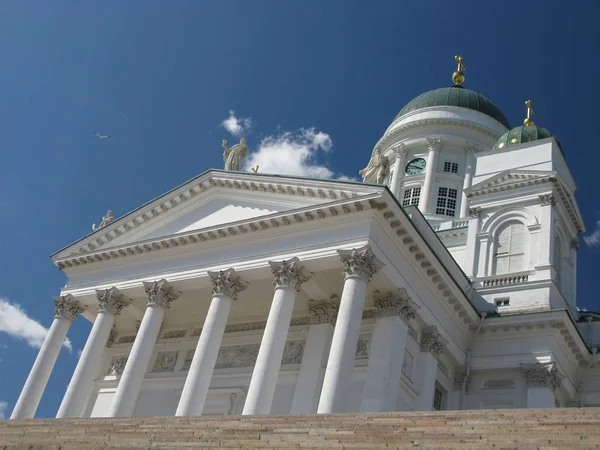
(455, 96)
(521, 134)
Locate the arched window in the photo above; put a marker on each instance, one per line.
(557, 261)
(509, 254)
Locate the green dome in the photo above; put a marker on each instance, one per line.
(455, 96)
(521, 134)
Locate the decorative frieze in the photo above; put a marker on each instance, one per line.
(399, 151)
(165, 361)
(126, 339)
(432, 341)
(548, 199)
(323, 311)
(360, 262)
(161, 293)
(293, 351)
(117, 365)
(226, 282)
(67, 307)
(112, 300)
(174, 334)
(289, 273)
(542, 375)
(396, 303)
(362, 347)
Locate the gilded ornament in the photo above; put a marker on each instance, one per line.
(458, 77)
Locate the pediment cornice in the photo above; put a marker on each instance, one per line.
(321, 190)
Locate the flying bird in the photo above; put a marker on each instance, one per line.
(101, 136)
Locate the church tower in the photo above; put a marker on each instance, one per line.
(501, 199)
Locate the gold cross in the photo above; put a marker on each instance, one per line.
(528, 121)
(255, 169)
(459, 60)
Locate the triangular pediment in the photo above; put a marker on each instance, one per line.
(510, 179)
(212, 199)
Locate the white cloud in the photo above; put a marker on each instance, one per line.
(237, 127)
(593, 240)
(15, 322)
(3, 406)
(293, 153)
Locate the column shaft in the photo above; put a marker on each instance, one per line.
(266, 370)
(197, 382)
(340, 363)
(131, 380)
(42, 368)
(428, 193)
(87, 367)
(388, 342)
(310, 378)
(398, 174)
(467, 183)
(427, 366)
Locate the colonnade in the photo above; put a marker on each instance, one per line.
(328, 345)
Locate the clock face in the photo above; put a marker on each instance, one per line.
(415, 166)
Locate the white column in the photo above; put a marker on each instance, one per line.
(225, 287)
(160, 296)
(468, 182)
(427, 202)
(359, 266)
(432, 345)
(111, 302)
(66, 309)
(542, 381)
(388, 341)
(400, 156)
(289, 276)
(314, 358)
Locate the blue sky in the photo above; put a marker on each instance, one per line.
(319, 79)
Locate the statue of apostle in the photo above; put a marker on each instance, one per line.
(234, 157)
(377, 170)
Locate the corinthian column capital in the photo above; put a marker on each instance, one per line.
(399, 150)
(289, 273)
(542, 375)
(112, 300)
(360, 262)
(395, 304)
(432, 341)
(227, 283)
(66, 306)
(434, 143)
(161, 293)
(323, 311)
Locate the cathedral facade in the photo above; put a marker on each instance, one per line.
(445, 280)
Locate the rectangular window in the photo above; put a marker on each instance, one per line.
(446, 202)
(407, 365)
(411, 196)
(438, 397)
(451, 167)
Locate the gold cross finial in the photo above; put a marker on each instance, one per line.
(255, 169)
(528, 121)
(458, 77)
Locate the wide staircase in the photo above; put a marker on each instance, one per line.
(566, 428)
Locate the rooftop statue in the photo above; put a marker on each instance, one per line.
(377, 170)
(105, 221)
(234, 157)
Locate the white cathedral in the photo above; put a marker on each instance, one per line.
(445, 280)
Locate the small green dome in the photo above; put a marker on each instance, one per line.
(455, 96)
(520, 134)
